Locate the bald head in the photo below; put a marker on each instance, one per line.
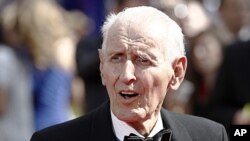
(145, 21)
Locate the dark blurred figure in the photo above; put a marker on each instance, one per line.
(87, 61)
(231, 95)
(206, 56)
(231, 92)
(234, 15)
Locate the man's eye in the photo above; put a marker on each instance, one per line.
(143, 61)
(116, 58)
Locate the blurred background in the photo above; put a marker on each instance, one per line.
(49, 64)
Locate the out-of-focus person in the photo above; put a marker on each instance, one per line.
(234, 24)
(230, 99)
(231, 92)
(16, 109)
(45, 32)
(206, 55)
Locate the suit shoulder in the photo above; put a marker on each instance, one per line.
(191, 121)
(197, 127)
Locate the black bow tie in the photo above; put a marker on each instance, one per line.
(163, 135)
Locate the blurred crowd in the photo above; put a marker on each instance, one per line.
(49, 64)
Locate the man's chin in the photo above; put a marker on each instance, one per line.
(132, 115)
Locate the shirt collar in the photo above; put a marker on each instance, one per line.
(122, 129)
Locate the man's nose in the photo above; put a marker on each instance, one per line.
(127, 75)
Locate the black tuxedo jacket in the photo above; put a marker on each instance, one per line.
(97, 126)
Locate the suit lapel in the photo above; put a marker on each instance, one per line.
(102, 129)
(179, 132)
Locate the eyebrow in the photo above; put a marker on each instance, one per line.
(146, 53)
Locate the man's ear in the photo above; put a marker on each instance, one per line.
(179, 67)
(101, 65)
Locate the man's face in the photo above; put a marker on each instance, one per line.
(135, 71)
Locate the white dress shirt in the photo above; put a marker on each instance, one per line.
(122, 129)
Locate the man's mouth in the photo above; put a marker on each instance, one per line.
(128, 95)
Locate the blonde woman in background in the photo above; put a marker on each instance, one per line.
(46, 33)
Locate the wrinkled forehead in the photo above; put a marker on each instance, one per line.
(143, 34)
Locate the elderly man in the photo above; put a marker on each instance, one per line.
(142, 58)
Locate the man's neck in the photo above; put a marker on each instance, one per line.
(122, 129)
(145, 127)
